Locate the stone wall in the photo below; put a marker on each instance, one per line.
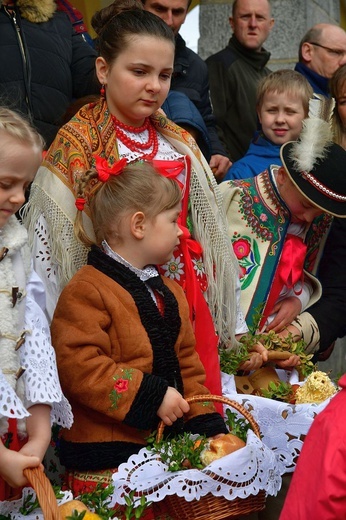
(292, 19)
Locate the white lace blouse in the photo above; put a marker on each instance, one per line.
(26, 319)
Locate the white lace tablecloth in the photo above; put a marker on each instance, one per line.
(240, 474)
(12, 508)
(283, 426)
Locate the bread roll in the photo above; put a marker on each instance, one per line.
(217, 448)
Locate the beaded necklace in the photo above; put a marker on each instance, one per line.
(136, 146)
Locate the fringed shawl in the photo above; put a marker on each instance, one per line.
(53, 194)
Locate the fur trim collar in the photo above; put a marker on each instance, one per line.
(36, 12)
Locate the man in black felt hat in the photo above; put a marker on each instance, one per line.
(278, 222)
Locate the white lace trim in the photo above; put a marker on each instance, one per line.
(12, 507)
(283, 426)
(10, 404)
(40, 378)
(240, 474)
(41, 375)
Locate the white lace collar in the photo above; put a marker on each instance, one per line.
(143, 274)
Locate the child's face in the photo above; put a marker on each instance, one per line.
(281, 116)
(18, 165)
(161, 237)
(138, 81)
(341, 105)
(301, 209)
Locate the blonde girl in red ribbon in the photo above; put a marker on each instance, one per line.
(122, 332)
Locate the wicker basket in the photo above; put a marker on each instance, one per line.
(44, 492)
(211, 507)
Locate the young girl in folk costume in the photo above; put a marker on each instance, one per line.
(338, 92)
(134, 67)
(30, 393)
(123, 338)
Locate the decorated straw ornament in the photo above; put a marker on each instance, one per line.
(315, 164)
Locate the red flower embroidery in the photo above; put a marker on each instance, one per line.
(121, 385)
(242, 272)
(241, 248)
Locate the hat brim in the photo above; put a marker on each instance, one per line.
(333, 165)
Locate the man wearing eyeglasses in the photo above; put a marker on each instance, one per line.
(321, 52)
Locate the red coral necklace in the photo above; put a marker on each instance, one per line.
(136, 146)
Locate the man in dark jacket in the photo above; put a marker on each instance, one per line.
(322, 51)
(234, 74)
(329, 311)
(190, 76)
(45, 64)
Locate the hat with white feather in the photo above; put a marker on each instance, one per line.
(316, 165)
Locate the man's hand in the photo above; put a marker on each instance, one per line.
(220, 166)
(286, 311)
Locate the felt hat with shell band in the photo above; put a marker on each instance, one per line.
(325, 184)
(315, 164)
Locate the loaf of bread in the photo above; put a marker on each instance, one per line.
(217, 448)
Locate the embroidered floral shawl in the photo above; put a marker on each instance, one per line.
(53, 193)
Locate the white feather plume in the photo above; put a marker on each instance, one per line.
(316, 135)
(322, 107)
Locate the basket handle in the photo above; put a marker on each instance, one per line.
(216, 399)
(44, 492)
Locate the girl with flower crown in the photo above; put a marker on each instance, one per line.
(134, 67)
(30, 393)
(123, 338)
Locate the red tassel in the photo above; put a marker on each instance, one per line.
(102, 91)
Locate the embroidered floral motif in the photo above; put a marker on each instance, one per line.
(174, 268)
(121, 385)
(248, 255)
(241, 248)
(198, 266)
(266, 216)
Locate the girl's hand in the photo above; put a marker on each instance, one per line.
(12, 465)
(172, 407)
(255, 361)
(286, 311)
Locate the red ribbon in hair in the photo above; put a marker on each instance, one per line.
(104, 171)
(290, 271)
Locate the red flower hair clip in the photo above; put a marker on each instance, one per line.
(104, 171)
